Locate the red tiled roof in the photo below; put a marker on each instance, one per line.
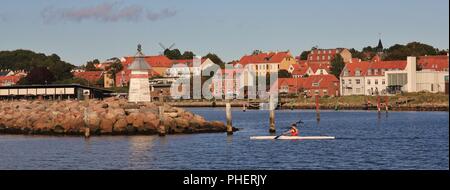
(293, 84)
(437, 63)
(154, 61)
(271, 57)
(352, 67)
(91, 76)
(324, 81)
(300, 69)
(4, 80)
(316, 66)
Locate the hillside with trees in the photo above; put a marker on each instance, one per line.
(51, 66)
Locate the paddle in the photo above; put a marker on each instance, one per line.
(281, 135)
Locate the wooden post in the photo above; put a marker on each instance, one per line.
(161, 127)
(244, 108)
(87, 131)
(272, 121)
(229, 120)
(378, 104)
(386, 99)
(317, 108)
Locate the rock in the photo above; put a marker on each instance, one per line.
(120, 125)
(106, 126)
(138, 121)
(93, 120)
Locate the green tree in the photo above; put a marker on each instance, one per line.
(39, 75)
(114, 68)
(90, 65)
(284, 74)
(188, 55)
(215, 58)
(256, 52)
(72, 81)
(173, 54)
(304, 55)
(337, 65)
(400, 52)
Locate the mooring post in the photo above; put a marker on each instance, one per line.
(87, 131)
(229, 120)
(378, 104)
(244, 108)
(386, 99)
(161, 127)
(317, 108)
(272, 121)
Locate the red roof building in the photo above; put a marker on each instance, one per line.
(321, 85)
(436, 63)
(91, 76)
(9, 80)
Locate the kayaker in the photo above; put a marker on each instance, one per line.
(293, 130)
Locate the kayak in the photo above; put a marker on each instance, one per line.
(292, 138)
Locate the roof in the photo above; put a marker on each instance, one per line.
(324, 81)
(91, 76)
(437, 63)
(293, 84)
(54, 86)
(9, 79)
(316, 66)
(139, 63)
(271, 57)
(153, 61)
(300, 69)
(352, 67)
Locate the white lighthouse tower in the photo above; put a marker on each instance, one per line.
(139, 86)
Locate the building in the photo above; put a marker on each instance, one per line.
(53, 92)
(139, 85)
(263, 63)
(326, 55)
(290, 85)
(377, 77)
(321, 85)
(93, 77)
(158, 64)
(9, 80)
(184, 67)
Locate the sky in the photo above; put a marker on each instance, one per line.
(83, 30)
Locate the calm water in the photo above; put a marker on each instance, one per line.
(403, 140)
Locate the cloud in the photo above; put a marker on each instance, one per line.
(104, 12)
(165, 13)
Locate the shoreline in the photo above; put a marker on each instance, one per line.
(313, 107)
(109, 117)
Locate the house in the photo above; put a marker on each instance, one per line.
(433, 63)
(290, 85)
(326, 55)
(187, 67)
(159, 65)
(377, 77)
(92, 77)
(352, 78)
(263, 63)
(9, 80)
(321, 85)
(318, 69)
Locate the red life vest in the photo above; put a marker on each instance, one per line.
(294, 132)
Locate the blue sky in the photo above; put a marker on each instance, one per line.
(82, 30)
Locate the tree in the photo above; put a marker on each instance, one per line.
(172, 54)
(214, 58)
(256, 52)
(400, 52)
(337, 65)
(304, 55)
(39, 75)
(28, 60)
(284, 74)
(73, 81)
(115, 67)
(90, 65)
(188, 55)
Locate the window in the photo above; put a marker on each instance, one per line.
(318, 57)
(368, 81)
(382, 71)
(383, 81)
(345, 72)
(318, 52)
(323, 57)
(369, 72)
(376, 72)
(358, 90)
(316, 84)
(358, 81)
(357, 73)
(329, 51)
(343, 81)
(329, 57)
(376, 81)
(310, 57)
(349, 81)
(325, 92)
(316, 92)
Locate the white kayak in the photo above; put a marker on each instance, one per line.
(292, 138)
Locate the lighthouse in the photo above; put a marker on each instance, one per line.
(139, 86)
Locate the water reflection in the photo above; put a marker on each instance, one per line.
(140, 148)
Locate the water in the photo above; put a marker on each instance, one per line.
(403, 140)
